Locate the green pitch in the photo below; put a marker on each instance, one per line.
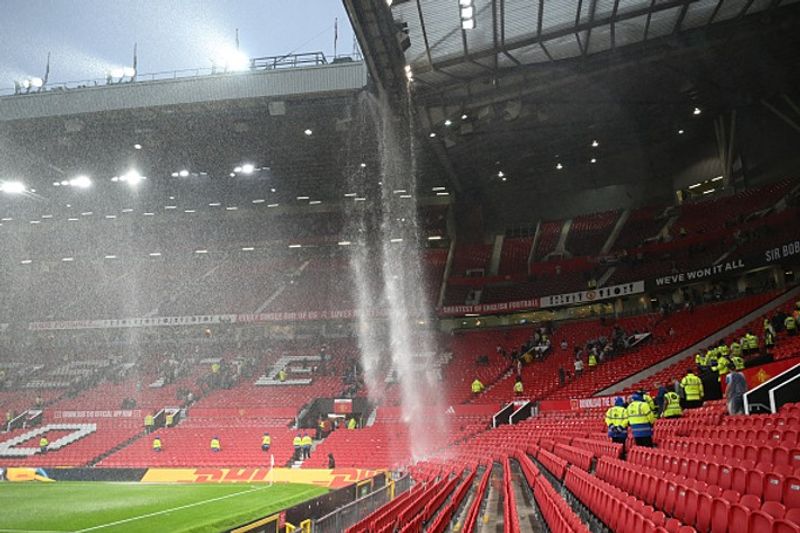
(137, 507)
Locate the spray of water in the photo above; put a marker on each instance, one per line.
(387, 274)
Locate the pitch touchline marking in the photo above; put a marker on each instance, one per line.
(166, 511)
(7, 530)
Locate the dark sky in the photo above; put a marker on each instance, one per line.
(89, 37)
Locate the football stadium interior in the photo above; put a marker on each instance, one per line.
(513, 265)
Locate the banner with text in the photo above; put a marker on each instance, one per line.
(462, 310)
(765, 257)
(151, 322)
(593, 295)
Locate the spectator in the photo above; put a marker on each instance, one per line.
(578, 368)
(734, 392)
(641, 418)
(331, 461)
(561, 376)
(617, 421)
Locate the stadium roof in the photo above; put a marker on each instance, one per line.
(513, 33)
(513, 107)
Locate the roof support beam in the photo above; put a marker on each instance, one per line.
(425, 35)
(542, 37)
(503, 33)
(592, 11)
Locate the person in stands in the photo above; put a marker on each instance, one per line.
(215, 445)
(790, 323)
(769, 339)
(297, 444)
(722, 368)
(282, 375)
(331, 461)
(617, 421)
(700, 361)
(640, 419)
(477, 387)
(149, 423)
(156, 443)
(578, 367)
(734, 392)
(692, 390)
(672, 406)
(736, 349)
(648, 400)
(266, 442)
(352, 424)
(737, 362)
(307, 443)
(592, 360)
(518, 387)
(562, 375)
(43, 444)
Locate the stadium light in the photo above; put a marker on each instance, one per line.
(680, 132)
(595, 143)
(409, 73)
(137, 146)
(128, 72)
(467, 14)
(81, 182)
(696, 111)
(308, 132)
(12, 187)
(231, 60)
(248, 168)
(37, 83)
(559, 166)
(183, 173)
(593, 160)
(132, 177)
(448, 122)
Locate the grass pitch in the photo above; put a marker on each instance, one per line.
(139, 507)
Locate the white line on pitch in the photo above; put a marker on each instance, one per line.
(166, 511)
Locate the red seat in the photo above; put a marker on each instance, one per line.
(773, 487)
(760, 521)
(774, 509)
(751, 502)
(738, 519)
(784, 526)
(793, 515)
(720, 509)
(703, 521)
(791, 492)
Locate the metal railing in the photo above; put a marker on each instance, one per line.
(286, 61)
(344, 517)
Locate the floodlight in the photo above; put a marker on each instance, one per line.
(129, 72)
(12, 187)
(248, 168)
(183, 173)
(81, 182)
(37, 83)
(132, 177)
(232, 60)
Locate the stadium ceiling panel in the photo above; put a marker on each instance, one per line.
(526, 32)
